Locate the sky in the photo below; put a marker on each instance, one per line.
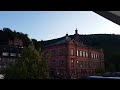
(46, 25)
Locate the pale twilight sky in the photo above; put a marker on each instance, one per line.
(45, 25)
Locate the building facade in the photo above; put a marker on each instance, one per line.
(71, 59)
(10, 50)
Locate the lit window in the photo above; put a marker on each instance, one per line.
(77, 53)
(12, 54)
(72, 52)
(0, 58)
(78, 65)
(72, 62)
(91, 55)
(77, 61)
(94, 55)
(81, 53)
(86, 54)
(5, 53)
(81, 65)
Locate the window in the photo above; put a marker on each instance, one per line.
(72, 51)
(86, 54)
(77, 61)
(12, 54)
(0, 58)
(72, 62)
(77, 53)
(81, 53)
(81, 64)
(5, 53)
(94, 55)
(78, 64)
(98, 55)
(91, 55)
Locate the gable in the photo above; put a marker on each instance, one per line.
(72, 42)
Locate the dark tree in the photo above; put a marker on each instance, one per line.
(31, 65)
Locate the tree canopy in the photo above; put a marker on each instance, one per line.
(31, 65)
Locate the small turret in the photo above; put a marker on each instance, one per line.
(76, 31)
(76, 35)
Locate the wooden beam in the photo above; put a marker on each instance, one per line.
(110, 16)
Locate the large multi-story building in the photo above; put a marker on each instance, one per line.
(70, 58)
(10, 49)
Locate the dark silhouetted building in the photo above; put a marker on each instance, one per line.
(10, 49)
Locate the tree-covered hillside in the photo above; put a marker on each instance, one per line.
(109, 42)
(7, 34)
